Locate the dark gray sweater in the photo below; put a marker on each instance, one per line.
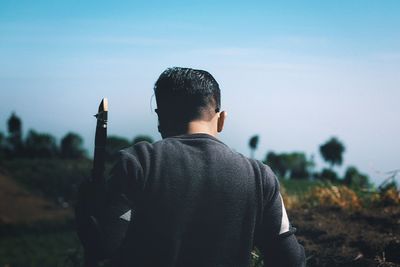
(196, 202)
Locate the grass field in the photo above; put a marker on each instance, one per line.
(40, 248)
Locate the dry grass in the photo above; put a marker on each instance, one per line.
(341, 196)
(291, 200)
(324, 195)
(388, 197)
(333, 195)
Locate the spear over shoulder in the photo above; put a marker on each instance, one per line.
(98, 178)
(100, 227)
(100, 142)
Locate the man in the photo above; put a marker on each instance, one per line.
(194, 201)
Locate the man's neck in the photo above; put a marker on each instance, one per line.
(205, 127)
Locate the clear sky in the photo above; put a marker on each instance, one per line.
(294, 72)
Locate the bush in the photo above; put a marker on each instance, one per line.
(331, 195)
(40, 145)
(72, 146)
(328, 175)
(354, 178)
(295, 164)
(388, 195)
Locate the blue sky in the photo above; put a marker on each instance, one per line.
(294, 72)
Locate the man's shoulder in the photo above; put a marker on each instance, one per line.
(145, 152)
(138, 152)
(146, 149)
(268, 180)
(173, 143)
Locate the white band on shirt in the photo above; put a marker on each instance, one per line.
(285, 219)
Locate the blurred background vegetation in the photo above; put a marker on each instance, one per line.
(39, 178)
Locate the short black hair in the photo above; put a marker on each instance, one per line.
(184, 95)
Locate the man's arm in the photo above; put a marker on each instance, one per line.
(275, 236)
(103, 214)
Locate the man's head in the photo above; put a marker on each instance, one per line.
(185, 97)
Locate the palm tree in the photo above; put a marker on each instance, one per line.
(253, 143)
(332, 152)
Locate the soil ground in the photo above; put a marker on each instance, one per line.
(18, 206)
(334, 237)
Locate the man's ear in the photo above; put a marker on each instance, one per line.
(221, 121)
(158, 120)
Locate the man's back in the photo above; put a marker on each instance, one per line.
(196, 203)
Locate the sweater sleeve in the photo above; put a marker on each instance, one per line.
(275, 236)
(103, 213)
(124, 181)
(121, 193)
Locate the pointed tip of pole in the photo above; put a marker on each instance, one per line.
(103, 105)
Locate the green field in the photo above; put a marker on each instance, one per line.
(39, 245)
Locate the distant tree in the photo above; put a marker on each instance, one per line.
(332, 152)
(294, 164)
(311, 166)
(142, 138)
(253, 143)
(40, 145)
(115, 144)
(14, 142)
(353, 177)
(72, 146)
(2, 139)
(2, 145)
(328, 175)
(298, 165)
(278, 163)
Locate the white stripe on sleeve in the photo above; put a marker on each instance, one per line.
(126, 216)
(285, 219)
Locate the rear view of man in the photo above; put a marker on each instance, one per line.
(194, 201)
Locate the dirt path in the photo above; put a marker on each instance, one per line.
(17, 205)
(333, 237)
